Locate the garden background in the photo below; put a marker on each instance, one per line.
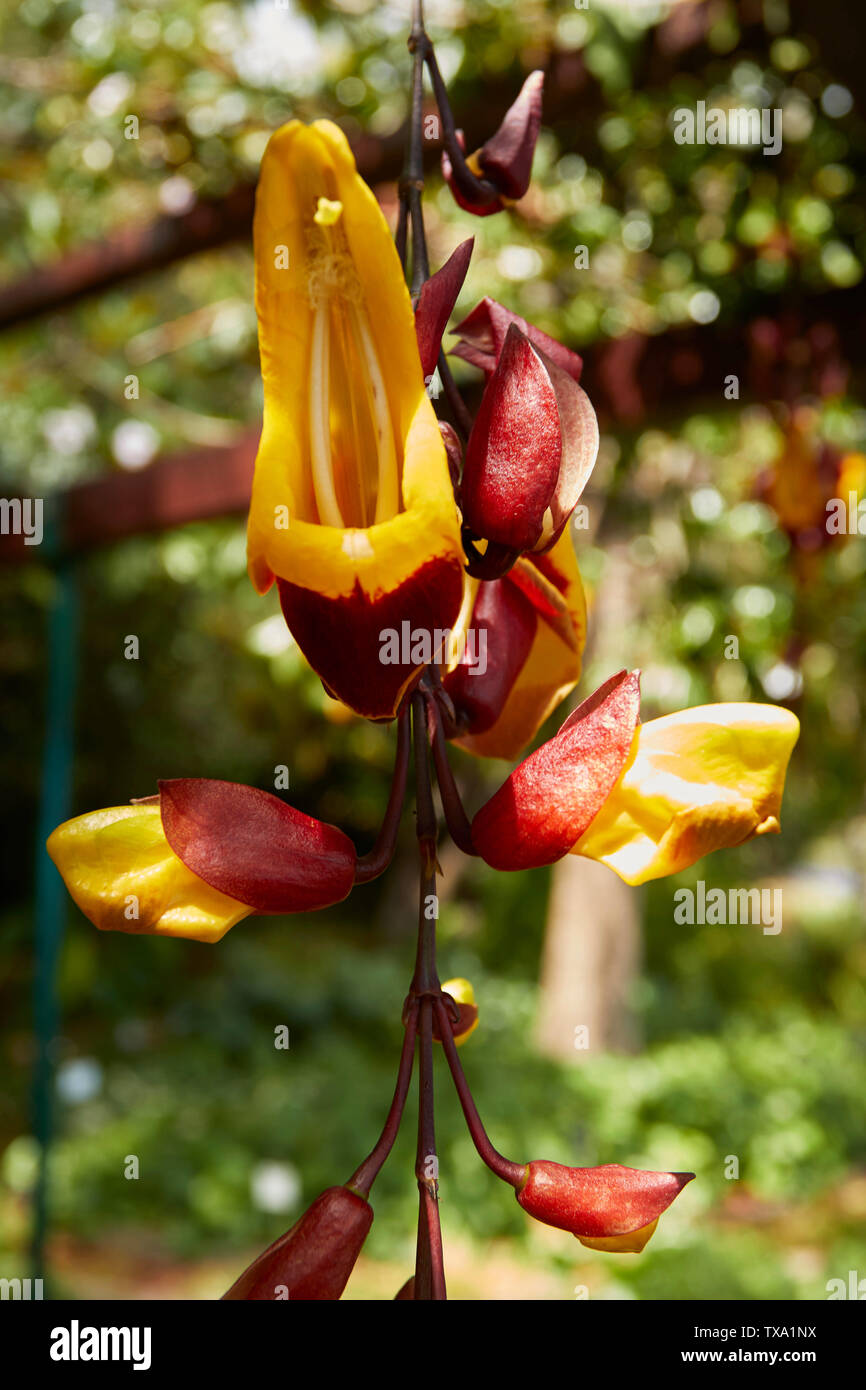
(130, 258)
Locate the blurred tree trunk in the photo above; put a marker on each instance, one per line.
(590, 962)
(592, 946)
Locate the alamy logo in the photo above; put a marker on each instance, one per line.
(421, 646)
(743, 906)
(22, 516)
(76, 1343)
(738, 125)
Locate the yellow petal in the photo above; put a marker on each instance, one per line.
(119, 869)
(630, 1244)
(702, 779)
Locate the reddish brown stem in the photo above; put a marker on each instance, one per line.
(429, 1259)
(376, 861)
(479, 191)
(365, 1175)
(429, 1268)
(459, 827)
(504, 1168)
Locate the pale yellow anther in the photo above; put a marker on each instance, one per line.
(327, 213)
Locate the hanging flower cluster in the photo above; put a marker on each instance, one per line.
(427, 572)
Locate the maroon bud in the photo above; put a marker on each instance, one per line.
(609, 1207)
(505, 160)
(540, 812)
(407, 1290)
(466, 200)
(531, 450)
(315, 1258)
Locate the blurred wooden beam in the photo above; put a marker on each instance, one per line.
(783, 353)
(128, 252)
(138, 250)
(212, 223)
(192, 486)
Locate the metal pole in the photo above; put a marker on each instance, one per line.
(51, 900)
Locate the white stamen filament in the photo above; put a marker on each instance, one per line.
(387, 499)
(320, 425)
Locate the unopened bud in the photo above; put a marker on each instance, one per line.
(462, 993)
(505, 160)
(315, 1258)
(607, 1208)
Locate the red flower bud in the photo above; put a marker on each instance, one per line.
(505, 160)
(531, 450)
(253, 847)
(315, 1258)
(609, 1207)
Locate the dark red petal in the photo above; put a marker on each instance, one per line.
(579, 428)
(514, 450)
(507, 619)
(606, 1201)
(253, 847)
(507, 156)
(483, 332)
(314, 1259)
(435, 306)
(546, 804)
(341, 637)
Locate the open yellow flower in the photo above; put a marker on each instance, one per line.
(352, 509)
(695, 781)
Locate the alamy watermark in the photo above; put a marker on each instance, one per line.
(77, 1343)
(704, 906)
(24, 1289)
(422, 646)
(22, 516)
(738, 125)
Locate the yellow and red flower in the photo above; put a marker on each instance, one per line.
(646, 799)
(353, 509)
(198, 858)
